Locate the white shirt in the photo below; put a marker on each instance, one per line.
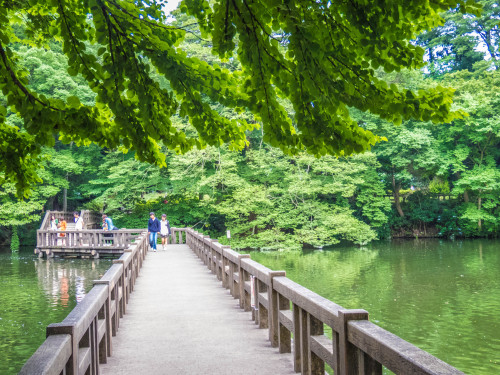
(164, 228)
(79, 223)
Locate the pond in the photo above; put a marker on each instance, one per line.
(441, 296)
(34, 293)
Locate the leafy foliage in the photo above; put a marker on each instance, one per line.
(321, 57)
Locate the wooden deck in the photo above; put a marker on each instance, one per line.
(181, 321)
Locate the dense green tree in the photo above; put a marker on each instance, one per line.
(463, 39)
(321, 56)
(473, 148)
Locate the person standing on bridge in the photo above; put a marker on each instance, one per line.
(109, 221)
(62, 228)
(165, 231)
(154, 227)
(53, 227)
(78, 225)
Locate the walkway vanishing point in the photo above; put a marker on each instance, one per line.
(179, 320)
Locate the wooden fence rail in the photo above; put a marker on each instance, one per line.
(357, 346)
(95, 241)
(82, 340)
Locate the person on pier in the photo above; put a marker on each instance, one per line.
(62, 228)
(78, 225)
(109, 222)
(164, 231)
(53, 227)
(154, 227)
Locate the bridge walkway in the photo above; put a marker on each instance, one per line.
(180, 320)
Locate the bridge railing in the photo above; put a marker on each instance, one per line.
(85, 238)
(97, 240)
(82, 340)
(285, 308)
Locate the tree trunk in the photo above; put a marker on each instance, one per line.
(466, 196)
(65, 199)
(397, 202)
(479, 223)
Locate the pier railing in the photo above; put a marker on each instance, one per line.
(70, 242)
(82, 340)
(285, 308)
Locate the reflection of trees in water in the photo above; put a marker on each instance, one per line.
(65, 281)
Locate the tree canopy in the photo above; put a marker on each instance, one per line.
(320, 57)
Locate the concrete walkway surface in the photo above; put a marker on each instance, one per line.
(181, 321)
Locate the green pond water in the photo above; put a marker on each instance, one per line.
(441, 296)
(35, 293)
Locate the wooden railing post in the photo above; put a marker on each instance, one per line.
(174, 240)
(107, 317)
(226, 282)
(273, 310)
(207, 250)
(297, 338)
(316, 365)
(348, 354)
(241, 284)
(284, 338)
(61, 329)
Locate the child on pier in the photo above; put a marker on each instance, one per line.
(62, 228)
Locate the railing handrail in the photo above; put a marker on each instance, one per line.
(92, 231)
(83, 339)
(356, 344)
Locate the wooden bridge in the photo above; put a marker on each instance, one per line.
(180, 321)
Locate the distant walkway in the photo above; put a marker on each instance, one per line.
(181, 321)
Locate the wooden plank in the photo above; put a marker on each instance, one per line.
(322, 346)
(85, 358)
(320, 307)
(101, 329)
(125, 259)
(113, 275)
(257, 270)
(263, 300)
(248, 286)
(231, 255)
(286, 318)
(215, 245)
(50, 358)
(395, 353)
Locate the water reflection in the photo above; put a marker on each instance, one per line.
(441, 296)
(66, 280)
(34, 293)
